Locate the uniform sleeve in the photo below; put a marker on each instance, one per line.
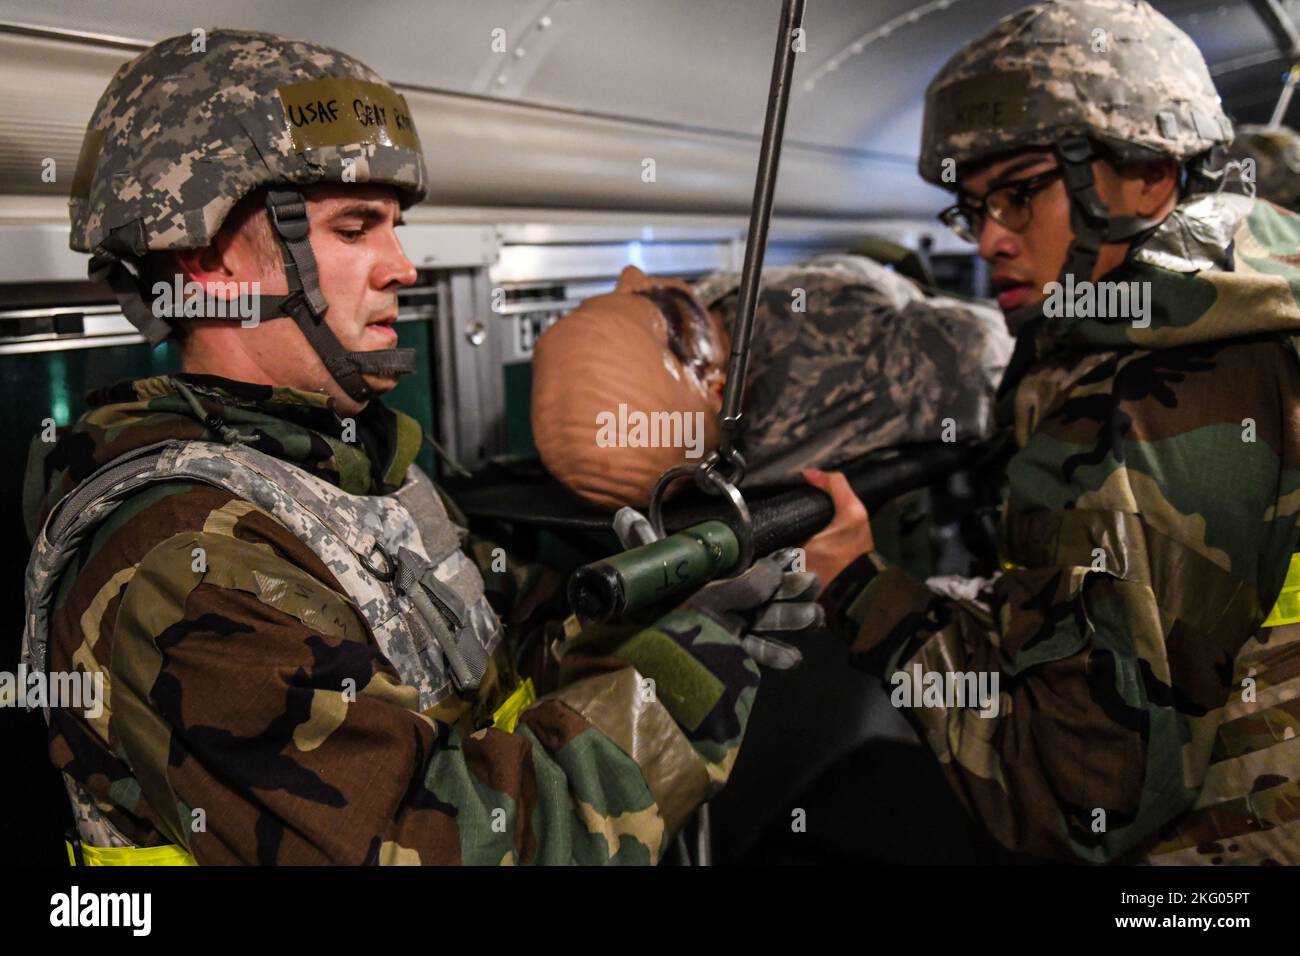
(1073, 699)
(1055, 732)
(265, 727)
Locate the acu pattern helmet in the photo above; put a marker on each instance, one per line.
(1116, 71)
(196, 123)
(1089, 80)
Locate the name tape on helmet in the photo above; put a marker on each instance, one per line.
(981, 103)
(341, 111)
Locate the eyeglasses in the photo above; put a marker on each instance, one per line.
(1010, 206)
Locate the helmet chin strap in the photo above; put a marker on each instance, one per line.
(1093, 225)
(1090, 217)
(305, 304)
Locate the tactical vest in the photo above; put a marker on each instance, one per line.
(397, 557)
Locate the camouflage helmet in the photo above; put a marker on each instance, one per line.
(188, 128)
(1276, 152)
(1116, 71)
(199, 121)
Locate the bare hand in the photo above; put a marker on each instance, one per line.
(847, 537)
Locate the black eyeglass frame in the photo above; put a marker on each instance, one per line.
(966, 218)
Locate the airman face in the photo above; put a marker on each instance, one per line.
(1025, 232)
(361, 266)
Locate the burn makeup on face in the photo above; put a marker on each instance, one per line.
(692, 337)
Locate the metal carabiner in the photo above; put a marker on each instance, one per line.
(707, 478)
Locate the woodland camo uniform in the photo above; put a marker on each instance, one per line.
(1147, 708)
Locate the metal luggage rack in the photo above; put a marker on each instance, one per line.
(98, 322)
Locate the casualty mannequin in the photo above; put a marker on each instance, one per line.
(847, 357)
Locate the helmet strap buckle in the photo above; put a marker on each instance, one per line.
(288, 211)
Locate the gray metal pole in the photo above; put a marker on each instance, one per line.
(760, 216)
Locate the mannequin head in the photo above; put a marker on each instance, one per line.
(626, 386)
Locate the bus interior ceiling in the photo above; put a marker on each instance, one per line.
(605, 134)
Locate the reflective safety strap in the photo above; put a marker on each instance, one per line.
(1287, 608)
(507, 715)
(170, 855)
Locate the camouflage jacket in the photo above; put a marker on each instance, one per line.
(247, 718)
(849, 357)
(1140, 711)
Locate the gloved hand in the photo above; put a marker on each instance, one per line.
(768, 601)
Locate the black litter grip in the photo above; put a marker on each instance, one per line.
(605, 590)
